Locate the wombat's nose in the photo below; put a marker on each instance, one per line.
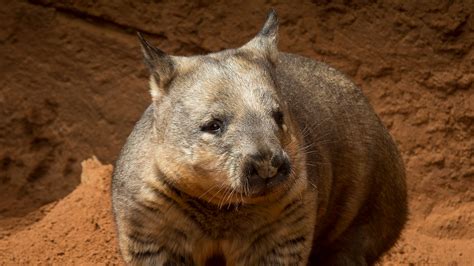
(268, 169)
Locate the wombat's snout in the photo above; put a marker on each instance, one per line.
(266, 169)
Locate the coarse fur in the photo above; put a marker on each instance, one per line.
(251, 156)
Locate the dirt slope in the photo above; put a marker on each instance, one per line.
(78, 229)
(72, 85)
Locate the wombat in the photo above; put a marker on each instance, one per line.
(252, 156)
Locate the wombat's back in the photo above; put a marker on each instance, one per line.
(351, 159)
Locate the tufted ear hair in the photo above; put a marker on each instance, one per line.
(161, 66)
(266, 41)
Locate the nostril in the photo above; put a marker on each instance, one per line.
(277, 161)
(284, 168)
(252, 170)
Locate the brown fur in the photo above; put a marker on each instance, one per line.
(182, 196)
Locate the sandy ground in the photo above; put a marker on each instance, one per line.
(72, 84)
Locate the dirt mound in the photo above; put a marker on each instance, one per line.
(75, 230)
(72, 84)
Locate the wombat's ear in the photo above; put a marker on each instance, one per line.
(161, 66)
(266, 41)
(270, 28)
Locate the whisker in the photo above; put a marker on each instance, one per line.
(241, 195)
(207, 191)
(229, 203)
(223, 198)
(247, 187)
(215, 194)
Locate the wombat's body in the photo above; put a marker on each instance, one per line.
(344, 202)
(361, 205)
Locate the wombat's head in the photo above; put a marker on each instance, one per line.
(223, 131)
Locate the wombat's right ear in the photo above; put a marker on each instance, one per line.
(161, 66)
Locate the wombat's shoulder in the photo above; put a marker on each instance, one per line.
(133, 156)
(311, 86)
(299, 72)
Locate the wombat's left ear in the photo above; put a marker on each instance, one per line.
(266, 41)
(161, 66)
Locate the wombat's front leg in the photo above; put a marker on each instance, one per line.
(291, 251)
(286, 241)
(144, 242)
(136, 251)
(155, 257)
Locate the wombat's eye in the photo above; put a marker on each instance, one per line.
(213, 127)
(278, 116)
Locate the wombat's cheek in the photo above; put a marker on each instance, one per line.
(186, 177)
(204, 157)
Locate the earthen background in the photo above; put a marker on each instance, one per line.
(72, 85)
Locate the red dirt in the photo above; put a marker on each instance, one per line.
(73, 84)
(77, 229)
